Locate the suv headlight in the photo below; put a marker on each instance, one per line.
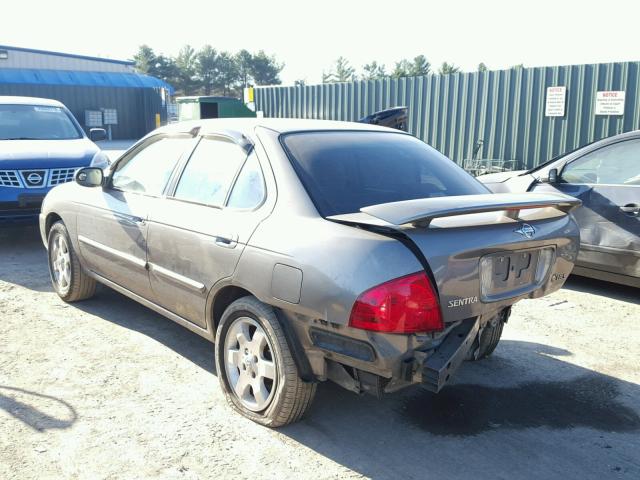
(100, 160)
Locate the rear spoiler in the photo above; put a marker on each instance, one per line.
(395, 117)
(422, 211)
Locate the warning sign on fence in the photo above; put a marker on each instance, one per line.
(556, 100)
(610, 103)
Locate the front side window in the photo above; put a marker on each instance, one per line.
(210, 171)
(617, 164)
(344, 171)
(36, 122)
(148, 170)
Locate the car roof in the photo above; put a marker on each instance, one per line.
(6, 100)
(247, 126)
(615, 138)
(595, 145)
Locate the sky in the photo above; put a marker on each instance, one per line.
(309, 35)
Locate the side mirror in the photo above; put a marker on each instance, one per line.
(553, 175)
(97, 134)
(90, 177)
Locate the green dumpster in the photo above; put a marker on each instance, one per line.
(196, 108)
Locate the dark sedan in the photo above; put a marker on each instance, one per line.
(605, 175)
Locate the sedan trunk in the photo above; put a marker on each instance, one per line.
(483, 252)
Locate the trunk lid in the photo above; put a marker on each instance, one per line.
(483, 252)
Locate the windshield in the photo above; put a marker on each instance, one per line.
(36, 122)
(344, 171)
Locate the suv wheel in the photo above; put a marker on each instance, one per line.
(256, 369)
(69, 280)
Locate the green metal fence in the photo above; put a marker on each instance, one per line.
(505, 109)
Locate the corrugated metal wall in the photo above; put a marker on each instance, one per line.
(137, 107)
(505, 109)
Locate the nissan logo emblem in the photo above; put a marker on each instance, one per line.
(34, 178)
(526, 230)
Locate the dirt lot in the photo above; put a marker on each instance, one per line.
(108, 389)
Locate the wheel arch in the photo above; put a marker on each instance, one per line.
(225, 295)
(220, 300)
(52, 217)
(45, 228)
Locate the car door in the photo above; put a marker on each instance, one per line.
(197, 234)
(112, 221)
(607, 180)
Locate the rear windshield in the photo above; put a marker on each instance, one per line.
(344, 171)
(36, 122)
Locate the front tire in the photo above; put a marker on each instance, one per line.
(69, 280)
(255, 366)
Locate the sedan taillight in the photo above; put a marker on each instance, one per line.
(405, 305)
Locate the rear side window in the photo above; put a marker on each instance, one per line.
(148, 170)
(344, 171)
(248, 191)
(210, 171)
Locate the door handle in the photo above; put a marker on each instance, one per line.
(129, 220)
(632, 209)
(229, 241)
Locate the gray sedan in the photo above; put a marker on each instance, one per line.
(309, 251)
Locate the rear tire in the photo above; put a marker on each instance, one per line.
(255, 366)
(489, 337)
(69, 280)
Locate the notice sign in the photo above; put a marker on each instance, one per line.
(93, 118)
(109, 116)
(610, 103)
(556, 100)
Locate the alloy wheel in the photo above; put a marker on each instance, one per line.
(61, 263)
(249, 364)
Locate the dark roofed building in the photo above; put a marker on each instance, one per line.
(99, 91)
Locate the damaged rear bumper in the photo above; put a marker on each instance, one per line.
(436, 369)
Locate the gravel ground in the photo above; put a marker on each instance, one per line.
(107, 389)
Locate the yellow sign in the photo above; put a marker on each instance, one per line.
(250, 94)
(157, 120)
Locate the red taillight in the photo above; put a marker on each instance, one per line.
(404, 305)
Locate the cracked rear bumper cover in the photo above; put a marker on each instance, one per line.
(438, 368)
